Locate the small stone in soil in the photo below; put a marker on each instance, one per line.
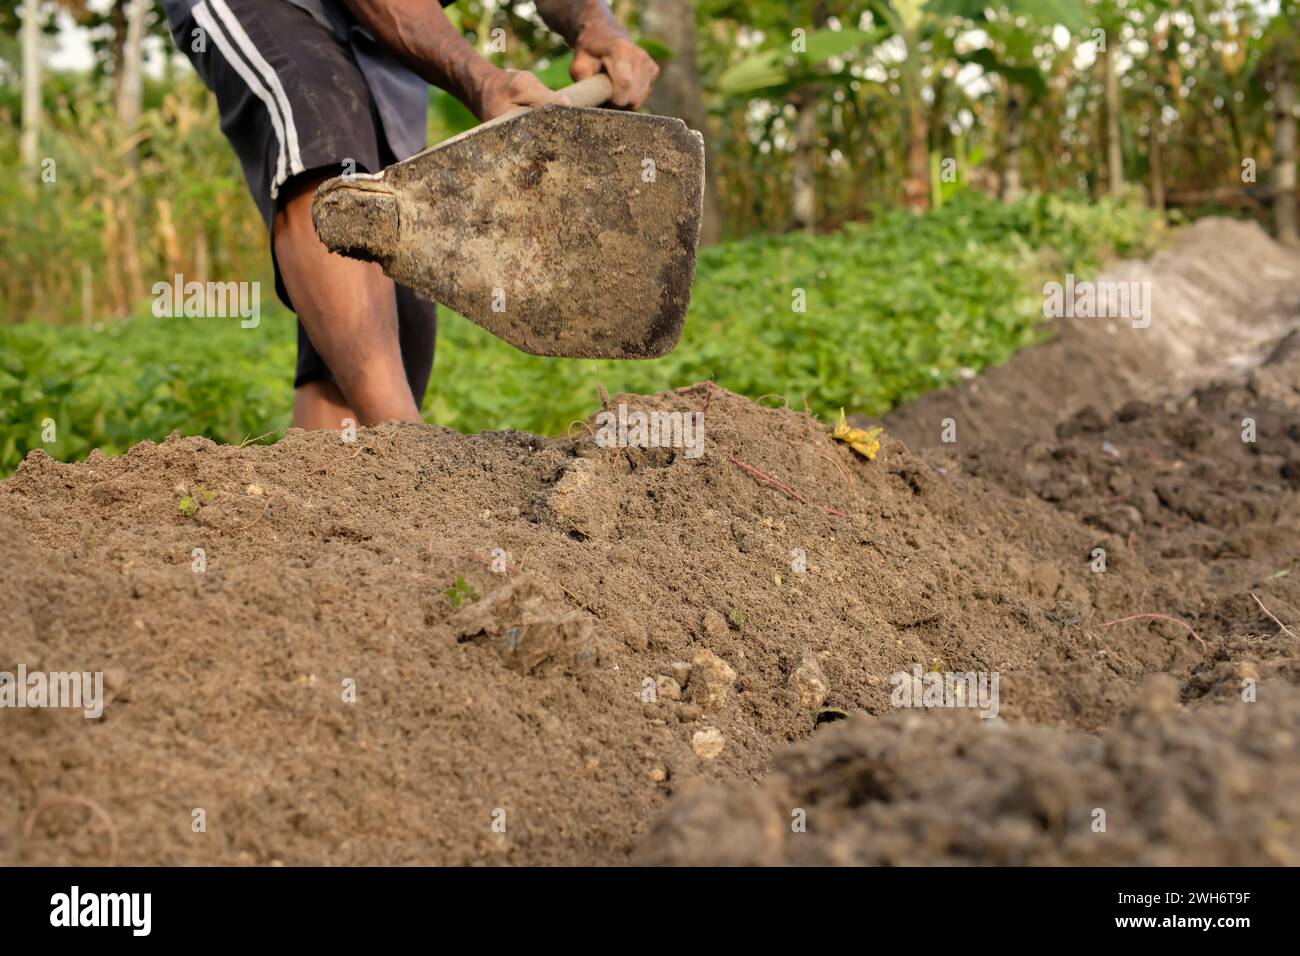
(708, 743)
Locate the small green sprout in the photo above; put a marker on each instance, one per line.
(461, 591)
(191, 503)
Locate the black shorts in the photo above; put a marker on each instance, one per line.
(294, 104)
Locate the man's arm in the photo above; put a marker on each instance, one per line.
(419, 33)
(601, 44)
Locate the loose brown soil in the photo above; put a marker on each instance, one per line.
(629, 687)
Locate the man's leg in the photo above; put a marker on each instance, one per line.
(417, 325)
(349, 309)
(318, 405)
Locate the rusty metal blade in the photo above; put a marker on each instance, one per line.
(565, 231)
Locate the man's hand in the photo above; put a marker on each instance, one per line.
(600, 44)
(419, 34)
(501, 91)
(631, 70)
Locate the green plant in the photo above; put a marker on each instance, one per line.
(192, 502)
(461, 591)
(738, 620)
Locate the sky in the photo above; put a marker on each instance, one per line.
(70, 49)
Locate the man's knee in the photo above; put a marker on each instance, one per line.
(293, 206)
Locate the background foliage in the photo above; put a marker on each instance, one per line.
(894, 308)
(828, 124)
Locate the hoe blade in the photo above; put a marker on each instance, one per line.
(565, 231)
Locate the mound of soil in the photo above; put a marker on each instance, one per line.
(424, 647)
(1207, 487)
(1217, 787)
(1195, 499)
(328, 562)
(1221, 298)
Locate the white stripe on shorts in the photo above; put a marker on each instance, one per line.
(268, 75)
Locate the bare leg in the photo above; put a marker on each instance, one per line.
(349, 309)
(321, 405)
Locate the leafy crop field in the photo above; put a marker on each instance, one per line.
(890, 309)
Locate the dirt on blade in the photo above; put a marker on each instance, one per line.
(656, 630)
(563, 231)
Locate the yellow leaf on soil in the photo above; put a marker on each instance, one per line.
(865, 441)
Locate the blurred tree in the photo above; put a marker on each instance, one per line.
(908, 20)
(1282, 34)
(33, 15)
(1109, 19)
(129, 89)
(806, 57)
(803, 184)
(671, 23)
(1015, 34)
